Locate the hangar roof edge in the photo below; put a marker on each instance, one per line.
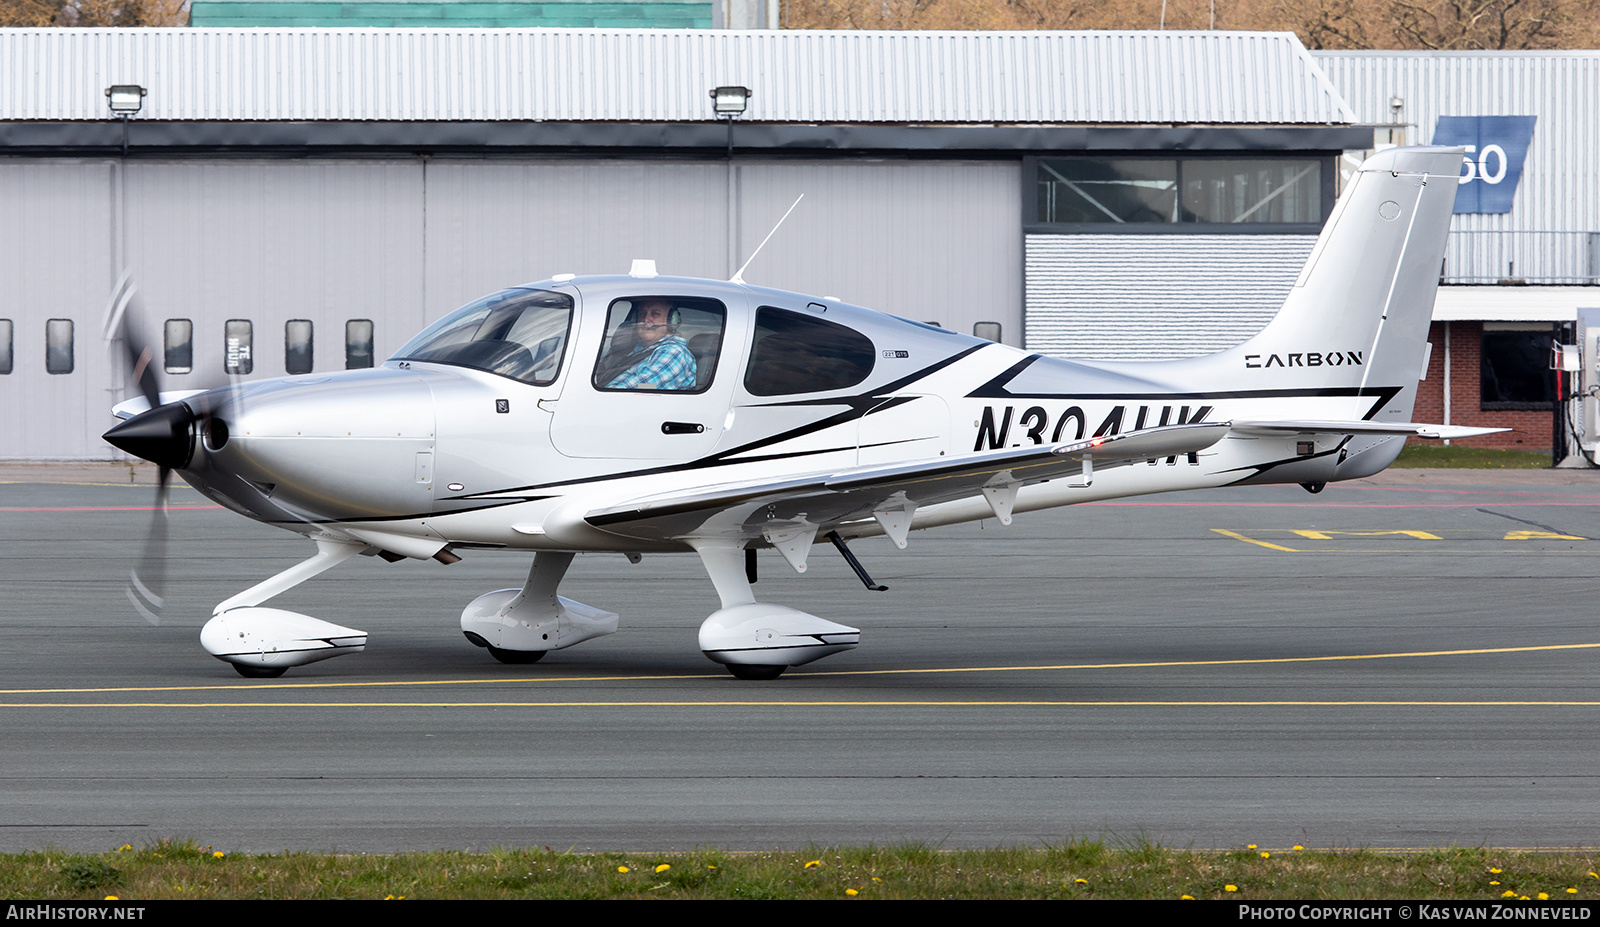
(653, 75)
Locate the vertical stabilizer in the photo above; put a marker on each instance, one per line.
(1358, 314)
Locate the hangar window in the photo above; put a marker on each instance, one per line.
(656, 343)
(5, 346)
(177, 341)
(1514, 369)
(58, 346)
(796, 353)
(357, 344)
(516, 333)
(238, 340)
(1180, 194)
(297, 346)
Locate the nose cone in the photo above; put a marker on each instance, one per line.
(163, 435)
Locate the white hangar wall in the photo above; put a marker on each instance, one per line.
(400, 241)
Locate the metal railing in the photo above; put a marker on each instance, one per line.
(1568, 258)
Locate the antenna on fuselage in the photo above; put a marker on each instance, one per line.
(738, 275)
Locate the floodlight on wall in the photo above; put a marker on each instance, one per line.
(125, 99)
(728, 102)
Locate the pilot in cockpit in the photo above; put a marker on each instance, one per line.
(659, 358)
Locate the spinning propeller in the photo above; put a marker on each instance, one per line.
(162, 434)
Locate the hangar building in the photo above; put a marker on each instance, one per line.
(302, 199)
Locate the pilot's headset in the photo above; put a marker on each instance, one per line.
(674, 314)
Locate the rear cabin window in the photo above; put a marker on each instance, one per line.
(661, 344)
(797, 353)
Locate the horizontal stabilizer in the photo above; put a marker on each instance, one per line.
(1409, 429)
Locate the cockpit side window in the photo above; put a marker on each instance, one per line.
(517, 333)
(661, 344)
(797, 353)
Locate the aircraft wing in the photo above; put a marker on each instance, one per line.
(780, 510)
(1410, 429)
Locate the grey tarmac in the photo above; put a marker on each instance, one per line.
(1403, 661)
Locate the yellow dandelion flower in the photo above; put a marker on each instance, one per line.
(1251, 847)
(1298, 847)
(112, 898)
(1544, 896)
(1265, 855)
(388, 897)
(128, 846)
(1508, 893)
(1593, 876)
(876, 879)
(852, 892)
(1495, 882)
(218, 854)
(815, 862)
(1230, 888)
(663, 867)
(1572, 891)
(1495, 871)
(1081, 881)
(622, 868)
(1186, 898)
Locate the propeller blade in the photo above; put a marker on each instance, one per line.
(147, 582)
(162, 435)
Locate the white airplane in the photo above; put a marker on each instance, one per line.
(650, 414)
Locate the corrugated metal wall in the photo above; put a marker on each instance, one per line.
(1154, 297)
(1560, 187)
(664, 75)
(55, 259)
(402, 241)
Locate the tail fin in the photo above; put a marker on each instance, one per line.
(1358, 314)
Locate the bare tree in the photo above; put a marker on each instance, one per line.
(1475, 24)
(1423, 24)
(35, 13)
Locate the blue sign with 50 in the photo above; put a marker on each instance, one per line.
(1496, 148)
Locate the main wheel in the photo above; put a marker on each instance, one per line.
(755, 670)
(259, 672)
(516, 656)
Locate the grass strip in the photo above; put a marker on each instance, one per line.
(1456, 457)
(1081, 869)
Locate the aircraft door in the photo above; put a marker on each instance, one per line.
(653, 382)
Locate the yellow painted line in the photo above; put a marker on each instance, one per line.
(256, 687)
(269, 687)
(1242, 662)
(1326, 534)
(1239, 537)
(865, 703)
(1404, 550)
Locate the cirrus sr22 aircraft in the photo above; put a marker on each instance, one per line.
(652, 414)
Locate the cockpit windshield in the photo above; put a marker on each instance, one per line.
(517, 333)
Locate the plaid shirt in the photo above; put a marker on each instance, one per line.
(667, 364)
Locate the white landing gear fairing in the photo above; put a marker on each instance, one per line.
(642, 414)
